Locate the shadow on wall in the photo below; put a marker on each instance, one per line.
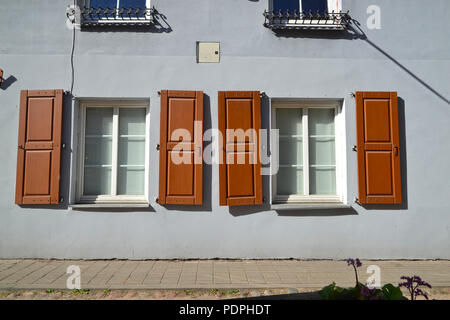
(403, 165)
(353, 32)
(207, 168)
(159, 25)
(6, 83)
(318, 212)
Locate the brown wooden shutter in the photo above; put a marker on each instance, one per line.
(181, 183)
(39, 151)
(240, 183)
(378, 151)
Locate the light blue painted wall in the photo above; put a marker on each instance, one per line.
(35, 49)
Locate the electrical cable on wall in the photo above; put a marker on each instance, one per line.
(71, 15)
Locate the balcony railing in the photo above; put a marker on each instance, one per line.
(116, 16)
(293, 19)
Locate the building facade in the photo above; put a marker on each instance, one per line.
(117, 122)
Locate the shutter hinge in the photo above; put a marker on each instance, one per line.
(159, 93)
(354, 148)
(157, 147)
(352, 94)
(157, 200)
(356, 200)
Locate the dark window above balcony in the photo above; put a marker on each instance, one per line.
(115, 12)
(306, 14)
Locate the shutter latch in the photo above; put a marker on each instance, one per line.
(354, 148)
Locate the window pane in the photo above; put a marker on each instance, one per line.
(284, 5)
(290, 181)
(103, 3)
(290, 151)
(289, 121)
(98, 151)
(321, 121)
(131, 180)
(314, 6)
(131, 151)
(322, 153)
(132, 121)
(135, 4)
(290, 173)
(132, 3)
(99, 121)
(97, 180)
(322, 180)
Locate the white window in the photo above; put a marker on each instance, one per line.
(310, 152)
(113, 152)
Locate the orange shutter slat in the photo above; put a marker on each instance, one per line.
(39, 147)
(181, 182)
(240, 180)
(379, 178)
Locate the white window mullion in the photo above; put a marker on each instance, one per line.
(115, 147)
(305, 152)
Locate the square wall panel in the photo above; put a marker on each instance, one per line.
(208, 52)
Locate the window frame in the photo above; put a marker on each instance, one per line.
(113, 198)
(340, 157)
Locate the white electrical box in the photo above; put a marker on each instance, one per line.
(208, 52)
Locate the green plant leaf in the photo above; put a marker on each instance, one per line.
(333, 292)
(390, 292)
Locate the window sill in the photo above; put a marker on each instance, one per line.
(309, 206)
(108, 205)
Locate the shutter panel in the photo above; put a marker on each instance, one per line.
(181, 164)
(39, 150)
(378, 151)
(240, 166)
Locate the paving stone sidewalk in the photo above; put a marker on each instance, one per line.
(204, 274)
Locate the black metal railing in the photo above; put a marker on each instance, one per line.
(99, 16)
(293, 19)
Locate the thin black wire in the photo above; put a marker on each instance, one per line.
(72, 54)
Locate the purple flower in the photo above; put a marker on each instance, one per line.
(412, 284)
(365, 291)
(354, 262)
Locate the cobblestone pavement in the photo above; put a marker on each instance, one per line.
(187, 294)
(31, 274)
